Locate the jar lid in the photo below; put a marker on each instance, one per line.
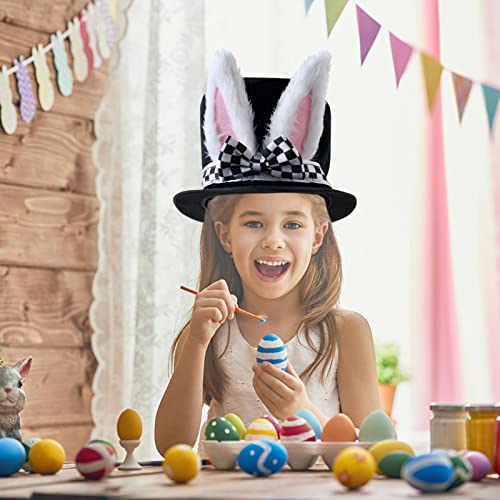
(447, 406)
(482, 407)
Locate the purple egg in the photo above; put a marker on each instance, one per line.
(479, 462)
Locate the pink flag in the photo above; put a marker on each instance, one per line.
(368, 31)
(401, 53)
(462, 87)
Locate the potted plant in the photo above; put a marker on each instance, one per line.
(389, 374)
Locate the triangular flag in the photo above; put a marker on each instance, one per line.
(333, 9)
(491, 95)
(462, 87)
(308, 4)
(432, 75)
(368, 31)
(401, 53)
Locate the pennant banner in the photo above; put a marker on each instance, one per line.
(368, 30)
(491, 96)
(401, 53)
(462, 87)
(308, 4)
(432, 76)
(333, 9)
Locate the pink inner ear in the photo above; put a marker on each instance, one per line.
(300, 128)
(223, 125)
(25, 369)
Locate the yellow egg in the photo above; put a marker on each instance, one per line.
(181, 463)
(354, 467)
(46, 456)
(382, 448)
(261, 428)
(129, 425)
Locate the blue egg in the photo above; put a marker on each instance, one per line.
(272, 349)
(430, 472)
(312, 420)
(262, 458)
(12, 456)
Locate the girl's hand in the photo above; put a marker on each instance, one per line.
(283, 393)
(212, 306)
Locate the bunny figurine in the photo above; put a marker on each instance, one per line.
(12, 397)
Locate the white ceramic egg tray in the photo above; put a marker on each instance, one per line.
(301, 455)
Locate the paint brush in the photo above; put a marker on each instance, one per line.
(260, 319)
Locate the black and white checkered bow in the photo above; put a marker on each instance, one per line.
(279, 159)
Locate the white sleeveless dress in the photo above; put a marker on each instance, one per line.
(239, 395)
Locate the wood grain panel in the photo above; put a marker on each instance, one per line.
(47, 229)
(84, 101)
(52, 152)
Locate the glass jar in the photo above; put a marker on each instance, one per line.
(496, 451)
(481, 428)
(448, 426)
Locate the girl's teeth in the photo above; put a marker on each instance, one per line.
(271, 263)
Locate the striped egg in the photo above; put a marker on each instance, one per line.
(261, 428)
(272, 350)
(430, 472)
(95, 461)
(297, 429)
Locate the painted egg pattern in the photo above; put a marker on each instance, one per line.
(262, 458)
(261, 428)
(430, 472)
(238, 424)
(339, 429)
(312, 420)
(461, 467)
(479, 462)
(296, 429)
(95, 461)
(376, 426)
(220, 429)
(275, 422)
(272, 349)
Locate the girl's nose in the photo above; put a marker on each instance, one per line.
(273, 240)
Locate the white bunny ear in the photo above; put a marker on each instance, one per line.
(228, 110)
(300, 109)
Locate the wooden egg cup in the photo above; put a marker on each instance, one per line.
(130, 463)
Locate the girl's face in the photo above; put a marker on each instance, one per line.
(271, 238)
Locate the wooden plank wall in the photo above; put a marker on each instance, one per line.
(48, 234)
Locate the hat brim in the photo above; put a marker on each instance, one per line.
(193, 203)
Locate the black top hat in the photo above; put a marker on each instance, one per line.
(274, 155)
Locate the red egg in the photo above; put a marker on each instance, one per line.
(275, 422)
(297, 429)
(95, 461)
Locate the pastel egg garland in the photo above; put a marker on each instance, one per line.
(272, 349)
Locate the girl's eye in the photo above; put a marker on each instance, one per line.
(20, 384)
(253, 223)
(293, 225)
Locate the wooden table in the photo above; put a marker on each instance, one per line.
(151, 483)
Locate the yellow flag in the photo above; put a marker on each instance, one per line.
(333, 10)
(432, 69)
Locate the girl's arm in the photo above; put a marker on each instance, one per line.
(357, 370)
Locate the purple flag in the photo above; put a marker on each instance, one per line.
(462, 87)
(368, 31)
(401, 53)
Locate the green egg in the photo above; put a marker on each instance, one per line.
(391, 464)
(220, 429)
(376, 426)
(462, 468)
(238, 424)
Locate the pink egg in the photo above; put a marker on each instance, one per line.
(95, 461)
(275, 422)
(297, 429)
(479, 462)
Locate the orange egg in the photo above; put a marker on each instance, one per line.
(339, 428)
(129, 425)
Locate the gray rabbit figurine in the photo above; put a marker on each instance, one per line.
(12, 397)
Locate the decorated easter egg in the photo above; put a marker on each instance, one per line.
(107, 444)
(312, 420)
(238, 424)
(262, 458)
(47, 456)
(382, 448)
(296, 429)
(376, 426)
(261, 428)
(181, 463)
(430, 472)
(390, 465)
(479, 462)
(12, 456)
(129, 425)
(339, 429)
(461, 466)
(272, 350)
(28, 443)
(354, 467)
(95, 461)
(275, 422)
(220, 429)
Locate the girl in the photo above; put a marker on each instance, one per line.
(267, 245)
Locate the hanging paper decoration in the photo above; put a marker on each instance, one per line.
(85, 39)
(91, 30)
(64, 76)
(308, 4)
(333, 9)
(27, 105)
(401, 53)
(42, 75)
(8, 115)
(462, 87)
(432, 69)
(491, 96)
(368, 31)
(102, 5)
(100, 31)
(80, 62)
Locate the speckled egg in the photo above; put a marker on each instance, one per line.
(182, 463)
(272, 349)
(430, 472)
(95, 461)
(376, 426)
(28, 443)
(382, 448)
(129, 425)
(276, 423)
(296, 429)
(220, 429)
(12, 456)
(479, 462)
(238, 424)
(312, 420)
(390, 465)
(462, 468)
(261, 428)
(354, 467)
(262, 458)
(339, 429)
(47, 456)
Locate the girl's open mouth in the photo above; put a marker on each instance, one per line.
(271, 271)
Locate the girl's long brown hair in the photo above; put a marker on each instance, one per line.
(319, 291)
